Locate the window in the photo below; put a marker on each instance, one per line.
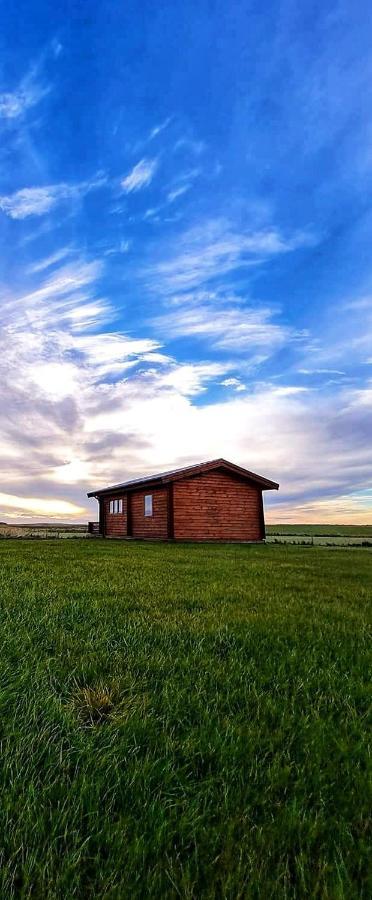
(148, 504)
(116, 507)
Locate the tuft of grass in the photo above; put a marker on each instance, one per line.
(184, 721)
(94, 705)
(101, 703)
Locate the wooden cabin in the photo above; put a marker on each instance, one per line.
(212, 501)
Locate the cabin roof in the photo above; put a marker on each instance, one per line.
(188, 472)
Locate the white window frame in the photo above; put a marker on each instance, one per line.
(148, 505)
(116, 507)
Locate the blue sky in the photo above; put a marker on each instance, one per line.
(185, 272)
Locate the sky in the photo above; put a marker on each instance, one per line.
(186, 267)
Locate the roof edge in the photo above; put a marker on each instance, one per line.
(187, 472)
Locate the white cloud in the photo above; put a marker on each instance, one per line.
(177, 192)
(33, 201)
(57, 47)
(55, 379)
(320, 372)
(191, 378)
(140, 176)
(189, 174)
(122, 247)
(152, 213)
(345, 339)
(111, 353)
(49, 261)
(289, 390)
(47, 337)
(159, 128)
(225, 324)
(14, 104)
(216, 248)
(195, 147)
(37, 201)
(362, 303)
(234, 383)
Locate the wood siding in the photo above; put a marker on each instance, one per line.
(115, 523)
(217, 507)
(214, 506)
(155, 526)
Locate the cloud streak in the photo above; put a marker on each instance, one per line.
(216, 248)
(140, 176)
(14, 104)
(226, 326)
(159, 128)
(178, 192)
(38, 201)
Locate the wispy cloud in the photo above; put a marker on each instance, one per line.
(234, 383)
(122, 247)
(320, 372)
(56, 349)
(186, 143)
(62, 326)
(140, 176)
(226, 325)
(37, 201)
(56, 47)
(48, 261)
(14, 104)
(192, 378)
(178, 192)
(216, 248)
(159, 128)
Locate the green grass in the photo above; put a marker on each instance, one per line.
(350, 531)
(183, 721)
(321, 535)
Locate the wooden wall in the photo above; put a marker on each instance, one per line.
(155, 526)
(217, 507)
(115, 523)
(211, 507)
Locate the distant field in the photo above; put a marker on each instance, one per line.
(328, 535)
(184, 721)
(320, 535)
(322, 530)
(42, 531)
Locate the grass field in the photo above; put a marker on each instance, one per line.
(350, 531)
(183, 721)
(320, 535)
(42, 531)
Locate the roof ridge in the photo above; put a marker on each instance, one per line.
(167, 475)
